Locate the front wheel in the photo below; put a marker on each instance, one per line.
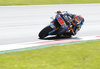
(44, 32)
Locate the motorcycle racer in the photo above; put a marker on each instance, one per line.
(74, 22)
(63, 25)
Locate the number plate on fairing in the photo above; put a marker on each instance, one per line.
(60, 20)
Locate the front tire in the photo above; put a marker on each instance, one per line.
(44, 32)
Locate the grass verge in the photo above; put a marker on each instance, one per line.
(41, 2)
(76, 56)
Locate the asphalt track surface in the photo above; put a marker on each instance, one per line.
(20, 24)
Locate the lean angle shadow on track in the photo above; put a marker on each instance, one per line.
(60, 38)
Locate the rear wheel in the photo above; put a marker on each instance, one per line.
(69, 35)
(66, 35)
(44, 32)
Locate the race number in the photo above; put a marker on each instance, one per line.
(60, 20)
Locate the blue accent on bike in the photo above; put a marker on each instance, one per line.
(64, 29)
(51, 32)
(81, 22)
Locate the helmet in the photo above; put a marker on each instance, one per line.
(58, 11)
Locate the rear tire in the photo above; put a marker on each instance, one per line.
(67, 35)
(44, 32)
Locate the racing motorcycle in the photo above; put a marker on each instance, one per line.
(55, 27)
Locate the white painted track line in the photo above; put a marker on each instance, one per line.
(46, 42)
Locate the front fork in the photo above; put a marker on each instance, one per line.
(53, 27)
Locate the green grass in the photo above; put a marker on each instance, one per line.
(41, 2)
(76, 56)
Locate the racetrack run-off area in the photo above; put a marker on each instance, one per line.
(21, 24)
